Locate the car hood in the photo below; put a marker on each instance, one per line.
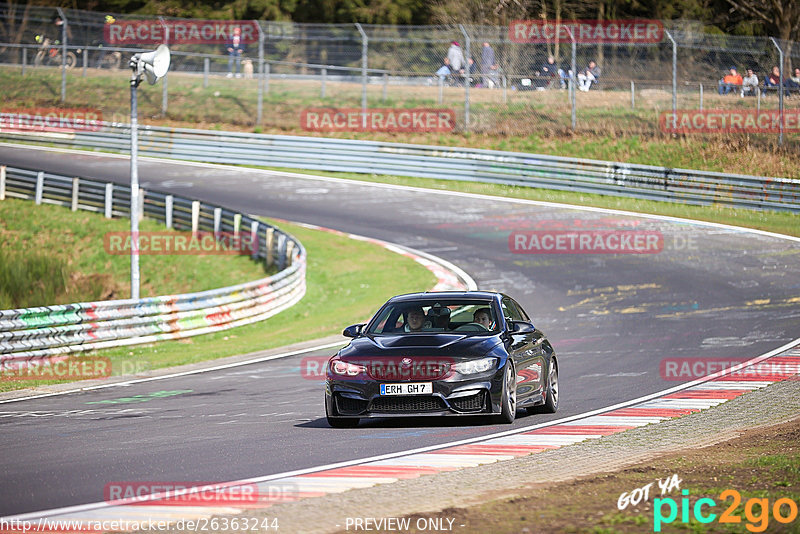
(454, 345)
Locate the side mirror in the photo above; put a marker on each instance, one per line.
(353, 330)
(521, 327)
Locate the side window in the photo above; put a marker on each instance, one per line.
(521, 311)
(510, 311)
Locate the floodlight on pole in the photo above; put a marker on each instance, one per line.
(153, 65)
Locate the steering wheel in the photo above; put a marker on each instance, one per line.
(471, 327)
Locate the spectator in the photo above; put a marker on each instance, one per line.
(470, 71)
(731, 82)
(792, 83)
(444, 71)
(774, 79)
(749, 84)
(488, 66)
(235, 47)
(588, 76)
(456, 57)
(553, 73)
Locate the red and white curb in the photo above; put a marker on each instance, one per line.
(778, 365)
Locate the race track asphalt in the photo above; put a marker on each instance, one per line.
(710, 293)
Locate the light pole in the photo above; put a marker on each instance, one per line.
(154, 65)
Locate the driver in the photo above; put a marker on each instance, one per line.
(415, 320)
(483, 316)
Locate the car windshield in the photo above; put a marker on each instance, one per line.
(471, 317)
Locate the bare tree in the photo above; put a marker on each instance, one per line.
(778, 16)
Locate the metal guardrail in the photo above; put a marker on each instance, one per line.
(469, 164)
(43, 332)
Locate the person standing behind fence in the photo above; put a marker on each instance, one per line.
(488, 67)
(235, 48)
(456, 57)
(731, 82)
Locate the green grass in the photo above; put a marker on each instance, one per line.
(51, 255)
(346, 281)
(772, 221)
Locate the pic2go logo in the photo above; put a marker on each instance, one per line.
(756, 511)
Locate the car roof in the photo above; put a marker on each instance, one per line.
(427, 295)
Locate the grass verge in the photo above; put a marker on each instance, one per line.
(51, 255)
(763, 466)
(346, 281)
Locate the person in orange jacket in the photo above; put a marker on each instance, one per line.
(731, 82)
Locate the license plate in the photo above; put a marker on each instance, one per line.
(410, 388)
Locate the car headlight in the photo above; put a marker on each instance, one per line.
(471, 367)
(345, 368)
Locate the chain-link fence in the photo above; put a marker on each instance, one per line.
(489, 81)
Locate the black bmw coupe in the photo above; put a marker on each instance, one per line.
(446, 353)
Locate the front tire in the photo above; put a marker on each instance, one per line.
(508, 411)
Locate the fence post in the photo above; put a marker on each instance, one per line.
(758, 100)
(39, 187)
(441, 90)
(75, 192)
(63, 54)
(780, 92)
(633, 95)
(168, 203)
(385, 85)
(205, 72)
(268, 241)
(195, 217)
(2, 182)
(572, 79)
(674, 78)
(364, 51)
(164, 94)
(505, 89)
(140, 207)
(322, 88)
(266, 77)
(85, 60)
(701, 97)
(24, 59)
(466, 77)
(109, 204)
(260, 106)
(254, 239)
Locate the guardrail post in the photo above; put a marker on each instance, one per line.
(195, 216)
(85, 60)
(289, 250)
(24, 59)
(39, 187)
(109, 200)
(217, 221)
(2, 182)
(237, 224)
(254, 239)
(205, 72)
(322, 86)
(168, 202)
(268, 241)
(281, 252)
(75, 190)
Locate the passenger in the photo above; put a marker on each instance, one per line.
(483, 316)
